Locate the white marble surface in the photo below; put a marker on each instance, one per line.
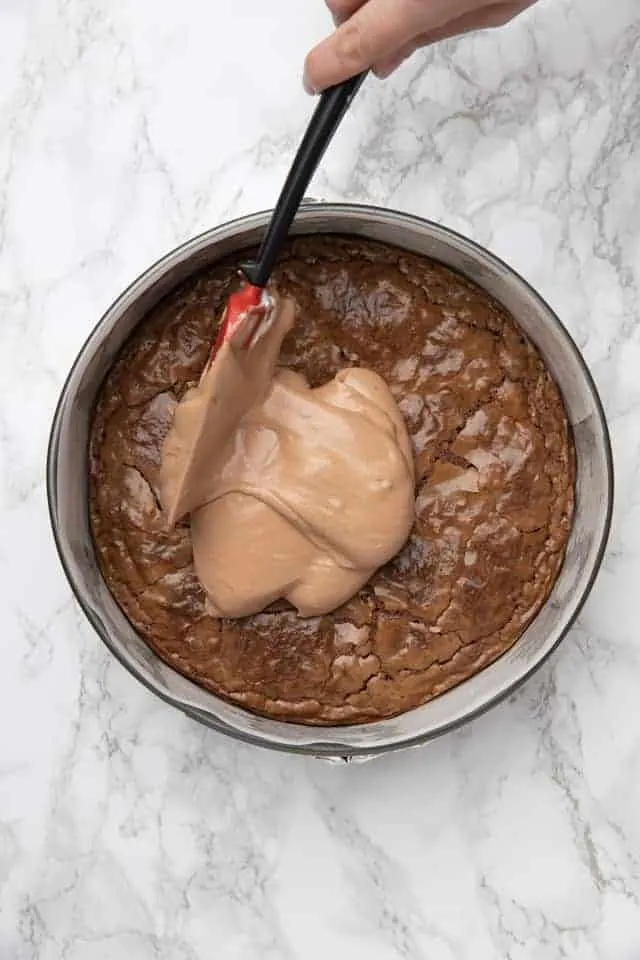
(127, 126)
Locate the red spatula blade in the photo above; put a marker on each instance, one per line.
(243, 313)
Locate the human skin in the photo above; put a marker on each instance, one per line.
(381, 34)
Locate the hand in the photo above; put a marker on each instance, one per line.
(381, 34)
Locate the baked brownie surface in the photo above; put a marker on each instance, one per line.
(494, 487)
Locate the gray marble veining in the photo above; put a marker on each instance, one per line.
(125, 829)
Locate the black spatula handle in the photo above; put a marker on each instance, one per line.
(331, 108)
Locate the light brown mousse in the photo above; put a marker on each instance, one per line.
(493, 487)
(293, 493)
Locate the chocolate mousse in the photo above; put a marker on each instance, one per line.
(292, 493)
(494, 487)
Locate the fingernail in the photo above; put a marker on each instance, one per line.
(309, 88)
(384, 72)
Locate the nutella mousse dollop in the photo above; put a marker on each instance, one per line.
(293, 493)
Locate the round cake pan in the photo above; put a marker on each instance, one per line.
(67, 484)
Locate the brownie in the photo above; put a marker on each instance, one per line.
(494, 487)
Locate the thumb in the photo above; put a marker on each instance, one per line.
(376, 30)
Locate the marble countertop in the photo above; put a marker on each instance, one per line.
(125, 829)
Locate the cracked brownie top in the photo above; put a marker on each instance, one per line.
(494, 487)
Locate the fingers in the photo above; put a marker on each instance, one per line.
(491, 15)
(381, 34)
(376, 27)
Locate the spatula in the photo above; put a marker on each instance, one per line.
(248, 308)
